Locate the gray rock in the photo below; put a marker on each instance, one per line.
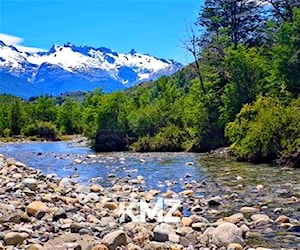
(115, 239)
(206, 237)
(200, 226)
(34, 247)
(30, 183)
(260, 218)
(132, 246)
(93, 197)
(164, 232)
(227, 233)
(156, 246)
(66, 183)
(84, 231)
(74, 240)
(82, 189)
(59, 214)
(14, 238)
(75, 227)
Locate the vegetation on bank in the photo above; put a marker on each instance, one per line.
(242, 90)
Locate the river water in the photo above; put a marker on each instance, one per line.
(159, 169)
(239, 184)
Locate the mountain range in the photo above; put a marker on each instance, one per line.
(68, 68)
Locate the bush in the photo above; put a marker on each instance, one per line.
(45, 130)
(142, 144)
(265, 130)
(168, 139)
(108, 142)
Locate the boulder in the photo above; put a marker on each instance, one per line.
(37, 209)
(227, 233)
(115, 239)
(110, 205)
(235, 218)
(59, 214)
(14, 238)
(164, 232)
(153, 245)
(65, 241)
(186, 221)
(30, 183)
(260, 218)
(66, 183)
(282, 219)
(34, 247)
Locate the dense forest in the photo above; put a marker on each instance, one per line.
(242, 90)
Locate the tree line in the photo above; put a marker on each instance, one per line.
(242, 90)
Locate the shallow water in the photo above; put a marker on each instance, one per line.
(220, 177)
(159, 169)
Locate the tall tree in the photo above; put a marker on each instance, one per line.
(16, 117)
(69, 117)
(286, 61)
(283, 9)
(240, 20)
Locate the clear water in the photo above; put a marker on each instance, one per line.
(160, 170)
(223, 177)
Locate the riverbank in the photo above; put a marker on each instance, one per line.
(76, 140)
(46, 212)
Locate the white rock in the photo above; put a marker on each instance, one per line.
(227, 233)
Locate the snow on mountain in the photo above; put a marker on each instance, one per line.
(80, 68)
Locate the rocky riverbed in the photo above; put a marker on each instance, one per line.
(40, 211)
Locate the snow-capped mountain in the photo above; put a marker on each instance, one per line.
(76, 68)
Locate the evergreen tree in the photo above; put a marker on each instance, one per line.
(239, 20)
(16, 117)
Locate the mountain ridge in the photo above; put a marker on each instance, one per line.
(66, 68)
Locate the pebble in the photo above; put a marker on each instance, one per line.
(260, 218)
(186, 221)
(249, 210)
(282, 219)
(30, 183)
(39, 212)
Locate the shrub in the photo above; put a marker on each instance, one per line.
(265, 130)
(45, 130)
(168, 139)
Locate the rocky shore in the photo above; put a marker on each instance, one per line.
(46, 212)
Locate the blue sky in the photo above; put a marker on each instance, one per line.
(153, 27)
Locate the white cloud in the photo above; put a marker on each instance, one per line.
(16, 41)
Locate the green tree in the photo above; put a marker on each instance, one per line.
(286, 55)
(248, 72)
(16, 117)
(69, 117)
(240, 20)
(283, 9)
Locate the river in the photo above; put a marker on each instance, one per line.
(65, 160)
(238, 184)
